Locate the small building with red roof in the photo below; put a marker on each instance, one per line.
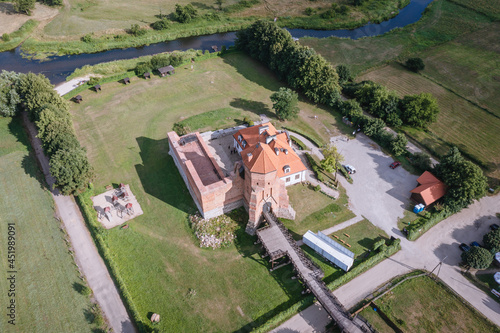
(429, 190)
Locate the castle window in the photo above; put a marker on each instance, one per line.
(297, 176)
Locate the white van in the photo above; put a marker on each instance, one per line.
(350, 169)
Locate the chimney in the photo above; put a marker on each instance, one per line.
(286, 151)
(249, 155)
(277, 151)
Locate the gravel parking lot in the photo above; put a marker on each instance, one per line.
(378, 192)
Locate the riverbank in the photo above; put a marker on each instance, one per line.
(68, 40)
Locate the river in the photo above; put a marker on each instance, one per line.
(59, 67)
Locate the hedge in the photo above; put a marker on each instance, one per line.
(299, 143)
(346, 174)
(314, 167)
(99, 234)
(313, 140)
(422, 224)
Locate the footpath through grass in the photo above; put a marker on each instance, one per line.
(47, 281)
(124, 129)
(424, 305)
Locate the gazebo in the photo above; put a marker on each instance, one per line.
(167, 70)
(126, 80)
(97, 87)
(147, 75)
(78, 99)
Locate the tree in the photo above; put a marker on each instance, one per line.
(477, 257)
(185, 14)
(71, 169)
(419, 110)
(24, 6)
(332, 160)
(491, 241)
(351, 109)
(219, 3)
(373, 126)
(398, 144)
(53, 124)
(285, 103)
(9, 97)
(464, 179)
(162, 24)
(344, 74)
(415, 64)
(53, 2)
(136, 30)
(422, 160)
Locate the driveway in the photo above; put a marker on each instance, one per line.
(378, 192)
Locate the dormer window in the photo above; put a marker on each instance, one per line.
(286, 168)
(240, 138)
(244, 143)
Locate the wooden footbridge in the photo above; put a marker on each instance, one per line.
(278, 243)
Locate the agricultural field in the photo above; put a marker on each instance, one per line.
(460, 123)
(315, 211)
(424, 305)
(442, 22)
(47, 281)
(124, 129)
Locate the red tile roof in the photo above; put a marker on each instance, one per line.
(268, 157)
(430, 188)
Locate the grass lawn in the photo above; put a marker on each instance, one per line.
(423, 305)
(315, 211)
(124, 130)
(362, 237)
(460, 123)
(443, 21)
(47, 281)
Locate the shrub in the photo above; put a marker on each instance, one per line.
(378, 244)
(181, 129)
(344, 74)
(93, 80)
(136, 30)
(163, 24)
(415, 64)
(88, 38)
(422, 161)
(491, 241)
(398, 144)
(185, 14)
(317, 188)
(5, 37)
(477, 257)
(309, 11)
(143, 67)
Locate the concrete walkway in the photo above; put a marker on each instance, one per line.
(86, 255)
(66, 87)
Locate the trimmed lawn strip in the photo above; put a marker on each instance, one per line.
(315, 210)
(48, 283)
(424, 305)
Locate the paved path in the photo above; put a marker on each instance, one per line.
(86, 256)
(66, 87)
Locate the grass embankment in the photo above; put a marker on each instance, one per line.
(124, 130)
(108, 21)
(48, 287)
(17, 37)
(424, 305)
(442, 22)
(315, 210)
(472, 129)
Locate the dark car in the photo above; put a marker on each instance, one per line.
(494, 226)
(394, 165)
(475, 244)
(464, 247)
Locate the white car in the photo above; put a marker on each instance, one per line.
(350, 169)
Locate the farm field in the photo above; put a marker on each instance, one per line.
(47, 280)
(424, 305)
(124, 129)
(442, 22)
(460, 123)
(315, 211)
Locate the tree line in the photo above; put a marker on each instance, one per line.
(50, 112)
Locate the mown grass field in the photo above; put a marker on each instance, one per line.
(47, 278)
(459, 122)
(443, 21)
(363, 235)
(315, 211)
(124, 129)
(423, 305)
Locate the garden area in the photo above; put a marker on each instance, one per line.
(315, 210)
(158, 257)
(425, 305)
(48, 282)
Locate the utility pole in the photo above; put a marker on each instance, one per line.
(438, 265)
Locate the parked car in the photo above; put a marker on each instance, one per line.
(394, 165)
(464, 247)
(475, 244)
(494, 226)
(350, 169)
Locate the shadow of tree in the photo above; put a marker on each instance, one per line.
(202, 5)
(252, 106)
(159, 175)
(253, 71)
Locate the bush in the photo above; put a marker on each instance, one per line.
(317, 188)
(136, 30)
(143, 67)
(378, 244)
(185, 14)
(309, 11)
(181, 129)
(5, 37)
(415, 64)
(491, 241)
(93, 80)
(422, 161)
(163, 24)
(398, 144)
(477, 257)
(422, 224)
